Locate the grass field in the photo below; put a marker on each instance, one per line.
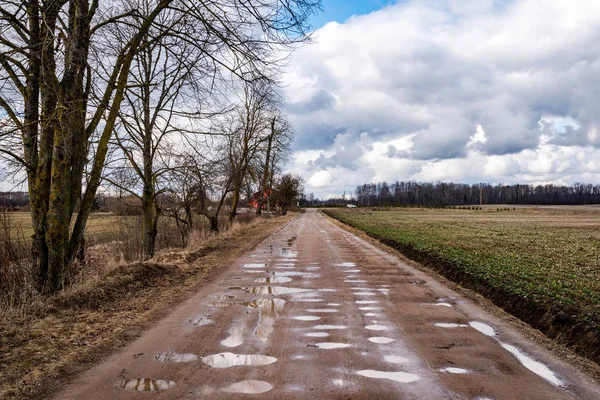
(540, 263)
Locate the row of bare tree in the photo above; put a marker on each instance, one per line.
(149, 96)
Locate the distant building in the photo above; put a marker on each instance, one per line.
(253, 201)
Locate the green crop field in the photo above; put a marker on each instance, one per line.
(540, 263)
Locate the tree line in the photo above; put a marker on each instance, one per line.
(145, 97)
(453, 194)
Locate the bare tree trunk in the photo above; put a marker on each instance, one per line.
(263, 188)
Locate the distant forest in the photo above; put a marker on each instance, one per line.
(454, 194)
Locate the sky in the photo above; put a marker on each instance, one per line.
(447, 90)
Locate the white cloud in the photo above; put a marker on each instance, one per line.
(462, 90)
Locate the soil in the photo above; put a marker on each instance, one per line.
(317, 312)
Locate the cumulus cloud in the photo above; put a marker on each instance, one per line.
(462, 90)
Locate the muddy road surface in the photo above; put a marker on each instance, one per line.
(318, 313)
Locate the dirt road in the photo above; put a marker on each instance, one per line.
(316, 312)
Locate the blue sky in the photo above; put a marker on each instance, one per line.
(341, 10)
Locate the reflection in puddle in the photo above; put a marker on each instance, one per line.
(364, 293)
(236, 336)
(201, 321)
(254, 265)
(329, 327)
(371, 314)
(345, 264)
(333, 304)
(403, 377)
(376, 327)
(332, 345)
(307, 318)
(269, 309)
(483, 328)
(327, 290)
(225, 296)
(454, 370)
(308, 300)
(170, 356)
(322, 310)
(381, 339)
(534, 366)
(223, 304)
(295, 273)
(145, 385)
(366, 302)
(446, 325)
(355, 281)
(313, 268)
(443, 304)
(363, 288)
(249, 387)
(317, 334)
(351, 270)
(396, 359)
(369, 308)
(274, 290)
(274, 279)
(226, 360)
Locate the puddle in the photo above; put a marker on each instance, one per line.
(345, 264)
(309, 300)
(307, 318)
(447, 325)
(317, 334)
(483, 328)
(226, 360)
(329, 327)
(396, 359)
(355, 281)
(170, 356)
(201, 321)
(322, 310)
(269, 309)
(381, 339)
(332, 345)
(286, 264)
(274, 279)
(363, 288)
(369, 308)
(254, 265)
(224, 296)
(236, 336)
(224, 304)
(249, 386)
(534, 366)
(327, 290)
(403, 377)
(443, 304)
(313, 268)
(351, 270)
(371, 314)
(454, 370)
(376, 327)
(417, 282)
(145, 385)
(364, 294)
(274, 290)
(367, 302)
(333, 304)
(295, 273)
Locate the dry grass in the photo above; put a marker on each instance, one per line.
(540, 263)
(55, 337)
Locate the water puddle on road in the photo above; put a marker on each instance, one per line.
(274, 290)
(439, 304)
(364, 293)
(269, 310)
(381, 339)
(307, 318)
(274, 279)
(145, 385)
(483, 328)
(534, 366)
(317, 334)
(333, 304)
(371, 314)
(329, 327)
(345, 264)
(170, 356)
(253, 265)
(449, 325)
(201, 321)
(249, 386)
(307, 300)
(403, 377)
(396, 359)
(366, 302)
(454, 370)
(351, 271)
(369, 308)
(295, 273)
(331, 345)
(224, 297)
(322, 310)
(355, 281)
(236, 336)
(327, 290)
(376, 327)
(227, 360)
(223, 304)
(363, 288)
(313, 268)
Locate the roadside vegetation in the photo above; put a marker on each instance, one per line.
(542, 264)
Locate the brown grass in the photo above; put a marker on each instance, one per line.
(51, 339)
